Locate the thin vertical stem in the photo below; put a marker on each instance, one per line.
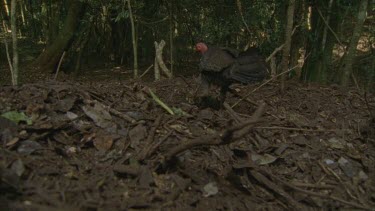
(14, 39)
(171, 34)
(288, 41)
(134, 40)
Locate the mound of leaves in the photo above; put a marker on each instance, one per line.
(148, 146)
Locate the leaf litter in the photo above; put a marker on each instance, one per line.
(114, 146)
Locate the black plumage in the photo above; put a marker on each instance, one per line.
(224, 66)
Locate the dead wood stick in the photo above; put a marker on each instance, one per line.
(280, 47)
(218, 138)
(301, 129)
(8, 58)
(121, 115)
(263, 84)
(342, 183)
(159, 57)
(59, 65)
(143, 154)
(368, 106)
(114, 112)
(260, 86)
(265, 181)
(146, 71)
(275, 52)
(232, 112)
(329, 27)
(316, 186)
(155, 146)
(324, 196)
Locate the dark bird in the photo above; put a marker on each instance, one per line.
(224, 66)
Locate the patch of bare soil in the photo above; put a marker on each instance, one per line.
(112, 146)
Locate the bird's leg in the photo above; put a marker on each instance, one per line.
(223, 94)
(205, 86)
(203, 98)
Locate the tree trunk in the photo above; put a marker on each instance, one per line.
(52, 13)
(33, 23)
(5, 16)
(49, 58)
(24, 24)
(159, 59)
(13, 25)
(300, 16)
(171, 32)
(134, 40)
(288, 41)
(346, 67)
(320, 43)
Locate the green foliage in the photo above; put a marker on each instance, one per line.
(17, 117)
(106, 24)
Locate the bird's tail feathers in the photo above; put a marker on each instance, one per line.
(248, 73)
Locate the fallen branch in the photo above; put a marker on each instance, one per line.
(225, 137)
(143, 154)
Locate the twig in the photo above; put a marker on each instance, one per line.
(122, 115)
(275, 52)
(346, 202)
(341, 182)
(356, 82)
(150, 23)
(143, 154)
(317, 186)
(115, 112)
(58, 67)
(275, 77)
(325, 22)
(8, 58)
(146, 71)
(368, 106)
(280, 47)
(271, 185)
(232, 113)
(156, 145)
(323, 168)
(239, 6)
(260, 86)
(302, 129)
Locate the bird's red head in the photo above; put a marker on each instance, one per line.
(201, 47)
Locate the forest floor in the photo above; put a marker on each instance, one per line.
(109, 145)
